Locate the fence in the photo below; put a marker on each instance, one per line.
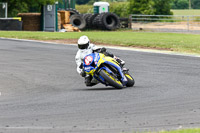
(3, 10)
(174, 23)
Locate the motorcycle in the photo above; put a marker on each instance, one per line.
(107, 70)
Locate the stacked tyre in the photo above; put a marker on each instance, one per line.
(90, 20)
(103, 21)
(78, 21)
(106, 21)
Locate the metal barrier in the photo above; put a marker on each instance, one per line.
(174, 23)
(3, 10)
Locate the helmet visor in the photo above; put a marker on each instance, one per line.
(83, 46)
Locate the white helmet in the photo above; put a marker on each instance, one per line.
(83, 42)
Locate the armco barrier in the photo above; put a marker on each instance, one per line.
(10, 24)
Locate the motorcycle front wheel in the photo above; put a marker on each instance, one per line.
(112, 80)
(130, 79)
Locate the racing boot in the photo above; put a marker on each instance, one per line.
(125, 70)
(88, 79)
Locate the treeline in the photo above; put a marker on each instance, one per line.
(123, 9)
(185, 4)
(174, 4)
(148, 7)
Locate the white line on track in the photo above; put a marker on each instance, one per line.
(116, 47)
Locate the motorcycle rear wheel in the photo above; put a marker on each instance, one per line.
(113, 81)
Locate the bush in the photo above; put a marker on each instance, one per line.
(84, 8)
(145, 7)
(162, 7)
(195, 4)
(180, 4)
(120, 8)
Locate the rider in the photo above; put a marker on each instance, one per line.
(85, 48)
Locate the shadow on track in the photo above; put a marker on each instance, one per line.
(99, 89)
(102, 89)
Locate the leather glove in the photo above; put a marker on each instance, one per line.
(81, 66)
(102, 50)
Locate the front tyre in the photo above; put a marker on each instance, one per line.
(130, 79)
(113, 81)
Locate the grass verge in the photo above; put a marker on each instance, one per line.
(189, 43)
(195, 130)
(186, 12)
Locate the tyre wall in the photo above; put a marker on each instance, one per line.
(10, 24)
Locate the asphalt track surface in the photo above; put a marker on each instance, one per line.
(40, 92)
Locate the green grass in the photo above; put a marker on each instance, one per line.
(186, 12)
(189, 43)
(196, 130)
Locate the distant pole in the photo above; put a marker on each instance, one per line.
(6, 10)
(190, 5)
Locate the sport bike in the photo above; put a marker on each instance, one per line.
(107, 70)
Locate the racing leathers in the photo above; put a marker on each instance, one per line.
(82, 53)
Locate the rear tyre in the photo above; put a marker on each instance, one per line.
(113, 81)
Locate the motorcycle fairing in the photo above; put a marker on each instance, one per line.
(95, 65)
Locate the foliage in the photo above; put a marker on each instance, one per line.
(15, 6)
(162, 7)
(19, 6)
(180, 4)
(141, 7)
(81, 2)
(120, 8)
(184, 4)
(84, 8)
(196, 4)
(150, 7)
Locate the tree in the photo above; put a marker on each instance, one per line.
(81, 2)
(22, 6)
(119, 8)
(141, 7)
(150, 7)
(162, 7)
(43, 2)
(195, 4)
(185, 4)
(15, 6)
(180, 4)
